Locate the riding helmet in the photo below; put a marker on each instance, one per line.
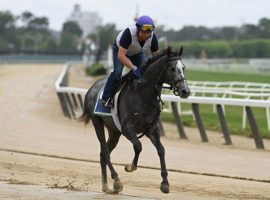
(145, 23)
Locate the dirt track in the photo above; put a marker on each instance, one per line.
(40, 147)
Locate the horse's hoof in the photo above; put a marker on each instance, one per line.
(106, 190)
(117, 186)
(111, 192)
(164, 187)
(130, 168)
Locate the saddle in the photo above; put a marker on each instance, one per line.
(100, 110)
(126, 79)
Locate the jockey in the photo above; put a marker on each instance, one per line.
(128, 51)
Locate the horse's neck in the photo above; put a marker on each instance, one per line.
(154, 72)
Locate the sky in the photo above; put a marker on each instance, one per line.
(173, 14)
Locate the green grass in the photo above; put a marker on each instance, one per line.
(233, 113)
(195, 75)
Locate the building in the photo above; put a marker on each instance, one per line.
(88, 21)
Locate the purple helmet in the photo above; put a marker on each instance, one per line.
(145, 23)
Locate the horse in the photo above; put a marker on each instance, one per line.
(139, 107)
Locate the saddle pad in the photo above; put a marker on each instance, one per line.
(103, 111)
(100, 109)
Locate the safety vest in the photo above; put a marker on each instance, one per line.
(135, 47)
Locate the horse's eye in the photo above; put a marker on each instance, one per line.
(172, 69)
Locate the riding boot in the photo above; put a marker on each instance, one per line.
(110, 87)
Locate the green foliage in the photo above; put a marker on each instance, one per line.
(96, 70)
(255, 48)
(71, 32)
(33, 35)
(230, 33)
(103, 37)
(72, 28)
(264, 27)
(6, 21)
(8, 38)
(3, 43)
(68, 41)
(221, 76)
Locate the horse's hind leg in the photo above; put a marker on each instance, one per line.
(104, 155)
(153, 135)
(111, 144)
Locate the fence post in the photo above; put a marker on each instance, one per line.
(80, 101)
(75, 102)
(195, 109)
(69, 106)
(178, 120)
(254, 128)
(223, 124)
(61, 97)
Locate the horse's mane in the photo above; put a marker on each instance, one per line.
(151, 60)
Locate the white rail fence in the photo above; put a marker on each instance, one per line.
(229, 90)
(71, 100)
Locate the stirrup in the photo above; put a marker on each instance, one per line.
(108, 103)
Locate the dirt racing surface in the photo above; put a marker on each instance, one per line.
(44, 155)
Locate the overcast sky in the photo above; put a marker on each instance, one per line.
(171, 13)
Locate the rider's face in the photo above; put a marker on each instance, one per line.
(143, 35)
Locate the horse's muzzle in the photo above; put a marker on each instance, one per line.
(184, 93)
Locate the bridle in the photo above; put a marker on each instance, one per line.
(173, 83)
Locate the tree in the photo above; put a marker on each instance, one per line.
(227, 33)
(26, 17)
(34, 33)
(264, 26)
(39, 23)
(72, 28)
(8, 38)
(104, 36)
(250, 31)
(7, 21)
(70, 36)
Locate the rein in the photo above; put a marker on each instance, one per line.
(157, 89)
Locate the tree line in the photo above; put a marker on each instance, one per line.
(28, 33)
(202, 33)
(246, 41)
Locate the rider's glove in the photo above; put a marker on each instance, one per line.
(137, 72)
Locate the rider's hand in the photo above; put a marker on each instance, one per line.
(137, 72)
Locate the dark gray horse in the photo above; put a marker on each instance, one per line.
(139, 108)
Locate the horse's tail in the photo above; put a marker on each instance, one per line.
(85, 117)
(89, 103)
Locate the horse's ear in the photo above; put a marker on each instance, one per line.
(180, 51)
(169, 51)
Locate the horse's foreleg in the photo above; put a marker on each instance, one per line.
(155, 139)
(137, 146)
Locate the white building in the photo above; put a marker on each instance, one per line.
(88, 21)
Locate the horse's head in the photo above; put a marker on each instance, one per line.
(175, 73)
(167, 67)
